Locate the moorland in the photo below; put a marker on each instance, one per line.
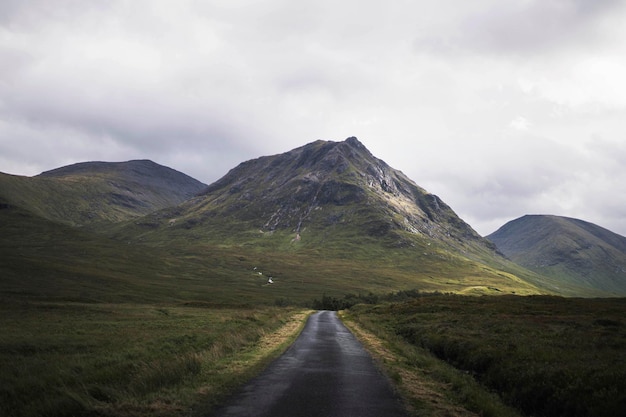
(121, 298)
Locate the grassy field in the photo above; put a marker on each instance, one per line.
(41, 260)
(429, 386)
(108, 325)
(545, 356)
(68, 359)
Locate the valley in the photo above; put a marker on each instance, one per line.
(130, 289)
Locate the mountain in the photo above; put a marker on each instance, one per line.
(322, 186)
(326, 218)
(331, 215)
(570, 250)
(92, 192)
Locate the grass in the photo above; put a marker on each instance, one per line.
(63, 359)
(43, 260)
(167, 322)
(429, 386)
(107, 327)
(545, 356)
(338, 263)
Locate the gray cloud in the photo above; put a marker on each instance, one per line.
(502, 109)
(532, 26)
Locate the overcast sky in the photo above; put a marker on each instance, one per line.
(501, 108)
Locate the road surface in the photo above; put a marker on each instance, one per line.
(325, 373)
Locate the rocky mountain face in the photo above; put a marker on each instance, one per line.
(331, 215)
(92, 192)
(326, 185)
(572, 250)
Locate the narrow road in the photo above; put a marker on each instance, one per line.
(325, 373)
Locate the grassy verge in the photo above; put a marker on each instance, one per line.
(131, 360)
(429, 386)
(546, 356)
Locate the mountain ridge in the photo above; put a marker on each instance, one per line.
(325, 218)
(570, 249)
(91, 192)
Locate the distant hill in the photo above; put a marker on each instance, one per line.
(571, 250)
(93, 192)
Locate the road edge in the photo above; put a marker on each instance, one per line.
(253, 360)
(420, 393)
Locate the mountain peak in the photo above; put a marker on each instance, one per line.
(353, 141)
(327, 184)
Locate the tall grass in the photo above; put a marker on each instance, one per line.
(429, 386)
(122, 360)
(546, 356)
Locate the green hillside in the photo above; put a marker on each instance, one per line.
(567, 251)
(43, 260)
(95, 192)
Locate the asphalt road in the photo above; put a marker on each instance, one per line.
(325, 373)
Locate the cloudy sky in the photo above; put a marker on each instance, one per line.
(502, 108)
